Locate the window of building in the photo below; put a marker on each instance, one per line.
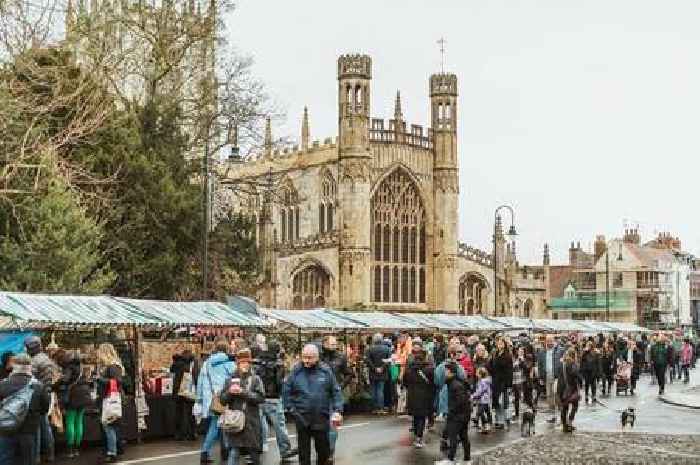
(617, 279)
(398, 240)
(289, 213)
(326, 206)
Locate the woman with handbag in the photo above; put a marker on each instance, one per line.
(242, 395)
(568, 385)
(420, 391)
(109, 398)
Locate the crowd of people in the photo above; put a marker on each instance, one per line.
(37, 390)
(240, 391)
(428, 379)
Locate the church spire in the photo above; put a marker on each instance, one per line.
(268, 137)
(545, 258)
(70, 19)
(398, 115)
(305, 130)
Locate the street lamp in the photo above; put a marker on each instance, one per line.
(607, 279)
(511, 233)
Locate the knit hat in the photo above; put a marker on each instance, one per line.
(244, 355)
(33, 345)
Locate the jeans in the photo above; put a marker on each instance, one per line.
(44, 438)
(501, 399)
(590, 383)
(332, 439)
(213, 434)
(660, 371)
(686, 373)
(484, 414)
(234, 455)
(111, 439)
(22, 445)
(274, 412)
(378, 393)
(419, 425)
(458, 431)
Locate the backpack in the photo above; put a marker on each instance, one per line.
(15, 408)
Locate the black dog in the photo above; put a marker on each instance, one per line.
(527, 425)
(627, 417)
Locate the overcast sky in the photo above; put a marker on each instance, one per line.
(579, 113)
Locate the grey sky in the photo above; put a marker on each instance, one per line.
(580, 113)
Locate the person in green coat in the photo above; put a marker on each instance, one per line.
(659, 358)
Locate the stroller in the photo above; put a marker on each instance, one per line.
(623, 377)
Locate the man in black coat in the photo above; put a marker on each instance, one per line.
(22, 443)
(458, 413)
(338, 362)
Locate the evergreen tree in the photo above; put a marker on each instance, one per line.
(51, 244)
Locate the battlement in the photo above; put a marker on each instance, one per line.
(359, 66)
(476, 255)
(396, 133)
(443, 84)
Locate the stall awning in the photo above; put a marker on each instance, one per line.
(625, 327)
(514, 323)
(318, 319)
(193, 313)
(379, 320)
(33, 310)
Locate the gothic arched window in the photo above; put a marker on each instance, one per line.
(289, 213)
(311, 287)
(398, 241)
(326, 206)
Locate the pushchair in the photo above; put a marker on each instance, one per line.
(623, 378)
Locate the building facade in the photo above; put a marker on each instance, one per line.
(369, 219)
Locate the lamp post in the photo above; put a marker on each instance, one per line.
(511, 233)
(607, 280)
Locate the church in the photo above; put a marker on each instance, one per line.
(369, 219)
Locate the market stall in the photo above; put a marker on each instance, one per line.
(146, 334)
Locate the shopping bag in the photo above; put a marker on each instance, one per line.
(401, 407)
(186, 389)
(111, 408)
(56, 414)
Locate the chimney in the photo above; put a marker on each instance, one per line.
(600, 247)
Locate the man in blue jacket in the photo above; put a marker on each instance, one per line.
(314, 399)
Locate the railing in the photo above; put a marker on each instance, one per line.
(388, 136)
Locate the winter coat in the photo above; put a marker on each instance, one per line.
(251, 436)
(338, 362)
(212, 378)
(659, 355)
(39, 405)
(607, 364)
(686, 354)
(269, 366)
(483, 391)
(420, 389)
(181, 365)
(374, 359)
(569, 380)
(74, 391)
(312, 394)
(501, 370)
(466, 363)
(439, 353)
(590, 364)
(441, 383)
(458, 401)
(44, 369)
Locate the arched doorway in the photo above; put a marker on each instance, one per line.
(311, 287)
(527, 309)
(473, 292)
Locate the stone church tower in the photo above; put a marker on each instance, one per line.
(369, 219)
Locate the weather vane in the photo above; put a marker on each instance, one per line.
(442, 43)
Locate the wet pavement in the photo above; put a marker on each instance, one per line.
(370, 440)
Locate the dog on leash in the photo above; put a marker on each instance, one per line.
(627, 417)
(527, 424)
